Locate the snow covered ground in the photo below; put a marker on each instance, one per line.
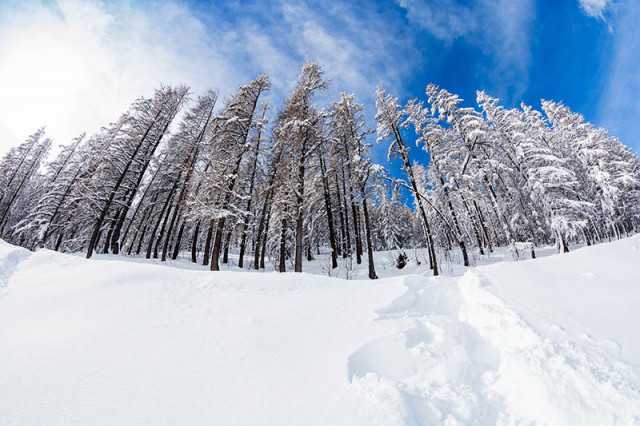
(554, 340)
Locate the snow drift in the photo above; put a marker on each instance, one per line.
(109, 341)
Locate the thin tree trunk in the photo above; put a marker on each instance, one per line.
(165, 246)
(227, 243)
(160, 216)
(283, 246)
(343, 231)
(367, 231)
(176, 244)
(409, 169)
(156, 247)
(327, 205)
(58, 242)
(194, 243)
(263, 248)
(207, 243)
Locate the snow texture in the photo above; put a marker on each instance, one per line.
(110, 341)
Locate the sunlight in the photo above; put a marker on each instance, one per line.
(50, 73)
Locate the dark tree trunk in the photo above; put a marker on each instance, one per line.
(160, 216)
(245, 223)
(283, 246)
(176, 244)
(367, 231)
(356, 228)
(227, 243)
(261, 227)
(144, 224)
(165, 246)
(156, 247)
(115, 248)
(139, 248)
(217, 245)
(409, 169)
(58, 242)
(327, 205)
(263, 248)
(207, 243)
(194, 243)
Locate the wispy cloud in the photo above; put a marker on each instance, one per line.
(75, 65)
(594, 8)
(619, 107)
(500, 28)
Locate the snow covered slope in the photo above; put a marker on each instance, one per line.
(552, 340)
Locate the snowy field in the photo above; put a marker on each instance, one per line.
(111, 340)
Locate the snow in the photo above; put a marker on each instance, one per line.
(553, 340)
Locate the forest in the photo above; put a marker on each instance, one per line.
(280, 186)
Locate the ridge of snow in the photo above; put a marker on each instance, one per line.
(10, 258)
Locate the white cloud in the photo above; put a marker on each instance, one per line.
(500, 28)
(619, 107)
(76, 65)
(445, 19)
(594, 8)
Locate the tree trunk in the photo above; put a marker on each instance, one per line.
(343, 232)
(263, 248)
(207, 244)
(165, 246)
(194, 243)
(327, 205)
(160, 216)
(407, 165)
(227, 243)
(156, 247)
(367, 231)
(176, 244)
(299, 209)
(283, 246)
(58, 242)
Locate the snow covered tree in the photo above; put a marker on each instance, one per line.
(390, 118)
(140, 132)
(18, 176)
(297, 125)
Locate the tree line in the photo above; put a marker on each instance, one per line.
(236, 177)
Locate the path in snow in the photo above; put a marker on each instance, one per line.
(464, 355)
(461, 355)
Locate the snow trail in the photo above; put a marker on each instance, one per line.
(462, 355)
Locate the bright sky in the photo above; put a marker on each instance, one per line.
(75, 65)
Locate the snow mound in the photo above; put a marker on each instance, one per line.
(551, 341)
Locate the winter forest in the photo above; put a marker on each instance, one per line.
(193, 175)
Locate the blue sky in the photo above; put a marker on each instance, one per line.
(75, 65)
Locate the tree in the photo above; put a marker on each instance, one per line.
(297, 124)
(390, 118)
